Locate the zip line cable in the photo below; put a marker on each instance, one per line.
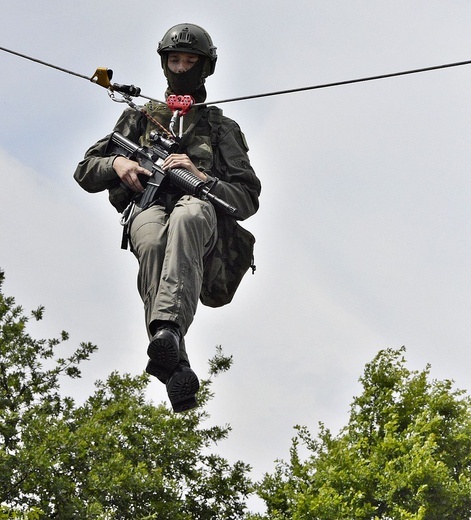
(98, 77)
(46, 64)
(136, 92)
(339, 83)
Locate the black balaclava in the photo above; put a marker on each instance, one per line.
(190, 82)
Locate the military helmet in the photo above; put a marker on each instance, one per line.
(191, 38)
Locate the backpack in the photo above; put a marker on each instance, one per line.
(231, 257)
(227, 263)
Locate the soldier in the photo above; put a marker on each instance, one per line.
(187, 249)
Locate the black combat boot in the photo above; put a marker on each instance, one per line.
(164, 348)
(182, 387)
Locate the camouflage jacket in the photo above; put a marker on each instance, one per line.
(217, 146)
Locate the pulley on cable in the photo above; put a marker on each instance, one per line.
(103, 78)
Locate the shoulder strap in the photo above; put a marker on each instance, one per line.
(215, 119)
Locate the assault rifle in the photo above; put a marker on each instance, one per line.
(152, 158)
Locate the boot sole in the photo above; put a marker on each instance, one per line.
(164, 353)
(181, 390)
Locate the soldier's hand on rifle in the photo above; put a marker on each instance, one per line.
(128, 172)
(181, 160)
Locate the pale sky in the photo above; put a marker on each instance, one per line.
(363, 234)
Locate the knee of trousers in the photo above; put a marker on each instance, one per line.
(191, 212)
(149, 231)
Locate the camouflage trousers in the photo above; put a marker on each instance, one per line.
(171, 249)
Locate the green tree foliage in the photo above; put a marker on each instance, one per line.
(405, 454)
(116, 456)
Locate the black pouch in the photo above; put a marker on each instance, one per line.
(227, 263)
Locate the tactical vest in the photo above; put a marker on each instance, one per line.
(199, 137)
(198, 142)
